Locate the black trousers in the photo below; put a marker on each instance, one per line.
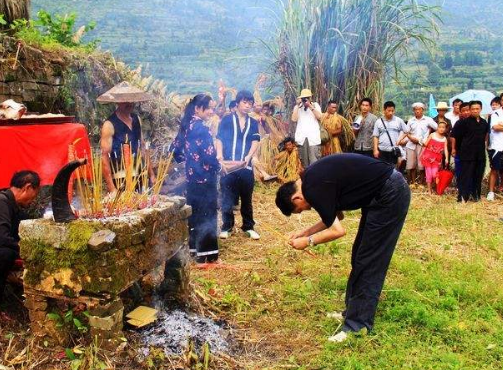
(239, 183)
(388, 157)
(203, 240)
(375, 242)
(470, 178)
(7, 258)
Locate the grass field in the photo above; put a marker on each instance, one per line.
(441, 308)
(442, 305)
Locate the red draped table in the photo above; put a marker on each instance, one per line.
(40, 146)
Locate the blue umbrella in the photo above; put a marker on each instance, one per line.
(484, 96)
(432, 110)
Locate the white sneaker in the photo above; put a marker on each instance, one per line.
(339, 337)
(335, 315)
(224, 234)
(490, 196)
(253, 234)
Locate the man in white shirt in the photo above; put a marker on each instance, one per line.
(307, 114)
(495, 150)
(420, 127)
(454, 115)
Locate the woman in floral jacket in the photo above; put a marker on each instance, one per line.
(194, 145)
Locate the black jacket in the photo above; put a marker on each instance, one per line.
(9, 220)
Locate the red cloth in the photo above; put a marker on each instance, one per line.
(40, 148)
(444, 180)
(432, 154)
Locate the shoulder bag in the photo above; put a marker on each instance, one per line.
(394, 149)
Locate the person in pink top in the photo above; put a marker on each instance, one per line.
(431, 158)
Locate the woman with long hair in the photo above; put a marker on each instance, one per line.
(194, 145)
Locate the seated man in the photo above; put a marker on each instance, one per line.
(288, 165)
(24, 188)
(346, 182)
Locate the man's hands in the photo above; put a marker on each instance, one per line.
(376, 153)
(299, 240)
(300, 243)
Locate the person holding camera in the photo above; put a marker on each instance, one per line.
(386, 134)
(363, 128)
(307, 114)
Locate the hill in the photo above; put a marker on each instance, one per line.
(193, 44)
(190, 44)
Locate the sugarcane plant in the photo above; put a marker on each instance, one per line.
(343, 49)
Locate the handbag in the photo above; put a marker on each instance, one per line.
(394, 149)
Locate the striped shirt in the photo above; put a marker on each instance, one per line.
(236, 143)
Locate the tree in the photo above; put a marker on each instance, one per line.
(15, 9)
(448, 62)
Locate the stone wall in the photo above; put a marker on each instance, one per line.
(69, 81)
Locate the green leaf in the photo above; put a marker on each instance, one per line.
(69, 354)
(53, 316)
(3, 22)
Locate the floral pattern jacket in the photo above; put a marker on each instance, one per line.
(195, 147)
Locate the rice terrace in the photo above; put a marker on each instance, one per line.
(263, 184)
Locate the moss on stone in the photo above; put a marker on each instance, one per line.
(74, 252)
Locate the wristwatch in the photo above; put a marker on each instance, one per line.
(311, 241)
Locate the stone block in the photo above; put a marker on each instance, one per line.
(102, 240)
(138, 238)
(106, 309)
(107, 323)
(4, 89)
(47, 231)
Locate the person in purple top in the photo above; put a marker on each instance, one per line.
(194, 145)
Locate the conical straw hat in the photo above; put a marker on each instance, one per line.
(124, 93)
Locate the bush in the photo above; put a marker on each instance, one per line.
(54, 30)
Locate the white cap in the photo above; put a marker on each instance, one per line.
(418, 105)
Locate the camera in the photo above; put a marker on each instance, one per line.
(304, 100)
(356, 125)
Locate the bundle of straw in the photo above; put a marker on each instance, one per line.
(288, 166)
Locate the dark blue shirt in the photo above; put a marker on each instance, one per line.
(124, 135)
(236, 144)
(195, 146)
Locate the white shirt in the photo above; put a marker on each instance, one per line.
(452, 117)
(420, 129)
(308, 127)
(496, 137)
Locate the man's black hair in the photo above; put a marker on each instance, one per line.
(332, 102)
(496, 100)
(246, 96)
(457, 100)
(476, 102)
(232, 104)
(284, 198)
(368, 100)
(389, 104)
(464, 104)
(21, 178)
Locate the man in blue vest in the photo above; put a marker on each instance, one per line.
(238, 140)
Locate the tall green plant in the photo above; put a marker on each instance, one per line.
(342, 49)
